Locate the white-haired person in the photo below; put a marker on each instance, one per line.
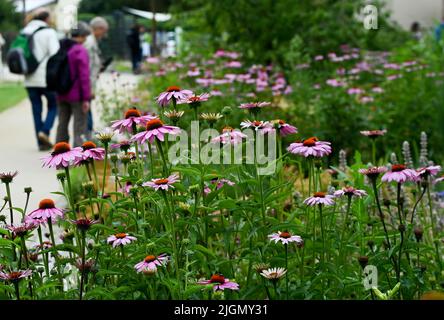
(99, 28)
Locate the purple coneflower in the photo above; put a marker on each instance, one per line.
(261, 126)
(151, 263)
(221, 182)
(120, 239)
(285, 237)
(133, 118)
(400, 173)
(123, 145)
(22, 229)
(171, 93)
(83, 224)
(91, 151)
(373, 172)
(15, 276)
(220, 283)
(7, 177)
(163, 183)
(350, 192)
(373, 133)
(254, 105)
(62, 156)
(195, 100)
(155, 129)
(310, 147)
(284, 128)
(274, 274)
(320, 198)
(47, 210)
(428, 171)
(229, 135)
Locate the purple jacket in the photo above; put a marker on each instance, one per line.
(79, 66)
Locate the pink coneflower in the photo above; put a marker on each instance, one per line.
(285, 237)
(44, 246)
(155, 129)
(373, 133)
(90, 151)
(22, 229)
(377, 90)
(233, 64)
(350, 192)
(163, 183)
(261, 126)
(310, 147)
(172, 93)
(195, 100)
(440, 179)
(221, 182)
(62, 156)
(373, 172)
(400, 173)
(216, 92)
(7, 177)
(15, 276)
(220, 283)
(151, 262)
(123, 145)
(47, 210)
(83, 224)
(284, 128)
(86, 267)
(254, 105)
(132, 118)
(355, 91)
(127, 188)
(335, 83)
(229, 135)
(320, 198)
(428, 171)
(366, 99)
(120, 239)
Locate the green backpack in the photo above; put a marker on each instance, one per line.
(20, 57)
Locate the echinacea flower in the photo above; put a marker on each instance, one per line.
(47, 210)
(373, 172)
(274, 274)
(105, 135)
(211, 118)
(221, 182)
(350, 192)
(229, 135)
(15, 276)
(440, 179)
(320, 198)
(172, 93)
(83, 224)
(62, 156)
(174, 115)
(195, 101)
(85, 267)
(219, 282)
(285, 237)
(284, 128)
(123, 145)
(22, 229)
(151, 262)
(428, 171)
(261, 266)
(162, 183)
(260, 126)
(132, 118)
(155, 129)
(7, 177)
(254, 105)
(91, 151)
(310, 147)
(373, 133)
(400, 173)
(120, 239)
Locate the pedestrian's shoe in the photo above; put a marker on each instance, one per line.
(44, 140)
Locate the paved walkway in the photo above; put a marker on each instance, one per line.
(18, 151)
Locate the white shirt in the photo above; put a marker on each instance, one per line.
(46, 44)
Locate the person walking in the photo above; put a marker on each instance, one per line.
(99, 28)
(134, 43)
(2, 43)
(77, 101)
(45, 45)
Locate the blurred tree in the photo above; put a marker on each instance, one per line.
(9, 19)
(108, 6)
(265, 30)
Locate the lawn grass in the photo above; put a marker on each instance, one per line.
(10, 94)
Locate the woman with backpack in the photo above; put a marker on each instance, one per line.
(76, 101)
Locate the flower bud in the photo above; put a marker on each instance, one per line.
(28, 190)
(226, 111)
(418, 234)
(363, 261)
(61, 176)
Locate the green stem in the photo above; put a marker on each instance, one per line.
(54, 252)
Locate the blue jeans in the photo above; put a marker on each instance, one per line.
(35, 95)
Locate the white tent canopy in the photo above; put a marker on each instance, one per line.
(31, 4)
(148, 15)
